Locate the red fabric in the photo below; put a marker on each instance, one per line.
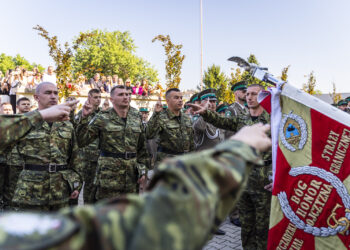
(266, 103)
(321, 127)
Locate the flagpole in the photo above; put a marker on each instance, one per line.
(201, 16)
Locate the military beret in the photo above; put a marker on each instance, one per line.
(194, 98)
(222, 108)
(348, 98)
(242, 85)
(342, 102)
(207, 93)
(143, 110)
(165, 106)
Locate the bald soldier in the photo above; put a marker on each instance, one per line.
(51, 171)
(148, 221)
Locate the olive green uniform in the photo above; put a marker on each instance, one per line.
(254, 205)
(52, 167)
(175, 134)
(123, 155)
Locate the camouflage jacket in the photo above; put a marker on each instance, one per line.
(116, 136)
(14, 158)
(186, 202)
(175, 133)
(235, 109)
(14, 127)
(206, 135)
(91, 152)
(235, 123)
(45, 145)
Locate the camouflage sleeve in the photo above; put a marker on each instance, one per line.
(14, 127)
(153, 126)
(143, 158)
(189, 196)
(199, 124)
(76, 165)
(227, 123)
(87, 131)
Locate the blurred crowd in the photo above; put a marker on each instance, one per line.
(20, 80)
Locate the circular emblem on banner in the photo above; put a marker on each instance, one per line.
(293, 132)
(337, 222)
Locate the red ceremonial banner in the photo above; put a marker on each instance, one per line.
(310, 206)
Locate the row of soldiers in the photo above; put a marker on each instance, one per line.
(107, 149)
(187, 197)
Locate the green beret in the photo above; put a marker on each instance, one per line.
(242, 85)
(194, 98)
(222, 108)
(207, 93)
(342, 102)
(143, 110)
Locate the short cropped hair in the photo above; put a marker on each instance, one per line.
(21, 100)
(94, 91)
(5, 103)
(256, 85)
(118, 87)
(171, 90)
(39, 87)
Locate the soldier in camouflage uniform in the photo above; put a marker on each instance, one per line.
(15, 162)
(91, 152)
(254, 205)
(194, 99)
(237, 108)
(123, 160)
(221, 109)
(172, 126)
(5, 109)
(51, 173)
(148, 221)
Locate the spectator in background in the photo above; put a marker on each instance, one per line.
(49, 76)
(120, 81)
(15, 81)
(5, 86)
(145, 87)
(137, 89)
(104, 84)
(115, 80)
(23, 105)
(105, 104)
(6, 108)
(128, 84)
(109, 84)
(95, 82)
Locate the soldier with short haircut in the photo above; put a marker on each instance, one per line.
(123, 160)
(51, 173)
(178, 211)
(221, 109)
(91, 152)
(254, 205)
(14, 161)
(172, 126)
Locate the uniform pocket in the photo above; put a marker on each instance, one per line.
(32, 188)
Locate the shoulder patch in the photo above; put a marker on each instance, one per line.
(34, 230)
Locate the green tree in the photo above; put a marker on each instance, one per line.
(310, 86)
(216, 79)
(8, 62)
(336, 97)
(173, 63)
(63, 59)
(284, 75)
(110, 53)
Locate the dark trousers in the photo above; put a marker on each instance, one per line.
(13, 103)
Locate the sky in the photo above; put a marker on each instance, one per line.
(310, 35)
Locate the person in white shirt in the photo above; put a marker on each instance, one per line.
(50, 76)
